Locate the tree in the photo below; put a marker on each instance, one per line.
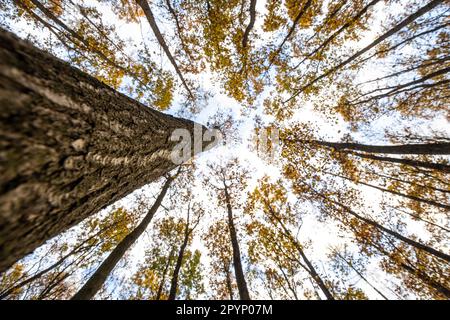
(189, 228)
(70, 132)
(217, 241)
(229, 181)
(96, 236)
(272, 200)
(153, 279)
(99, 277)
(151, 20)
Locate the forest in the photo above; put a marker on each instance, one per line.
(224, 150)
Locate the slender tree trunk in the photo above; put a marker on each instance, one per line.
(413, 163)
(69, 146)
(427, 279)
(228, 280)
(79, 248)
(408, 267)
(422, 11)
(6, 293)
(163, 280)
(151, 20)
(341, 29)
(289, 285)
(395, 234)
(413, 183)
(414, 198)
(297, 19)
(239, 273)
(310, 267)
(361, 276)
(176, 271)
(166, 268)
(250, 25)
(426, 148)
(99, 277)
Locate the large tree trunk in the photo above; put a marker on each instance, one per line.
(100, 275)
(239, 272)
(69, 146)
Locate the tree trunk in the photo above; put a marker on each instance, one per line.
(414, 198)
(69, 146)
(408, 162)
(361, 275)
(249, 28)
(151, 20)
(239, 273)
(422, 11)
(310, 267)
(427, 148)
(425, 278)
(99, 277)
(163, 280)
(176, 271)
(228, 281)
(411, 242)
(340, 30)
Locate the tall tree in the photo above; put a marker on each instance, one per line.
(69, 131)
(230, 179)
(100, 275)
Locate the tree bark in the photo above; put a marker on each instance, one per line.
(239, 273)
(99, 277)
(69, 146)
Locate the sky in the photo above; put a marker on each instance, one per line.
(321, 235)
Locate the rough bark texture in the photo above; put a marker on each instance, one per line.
(69, 146)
